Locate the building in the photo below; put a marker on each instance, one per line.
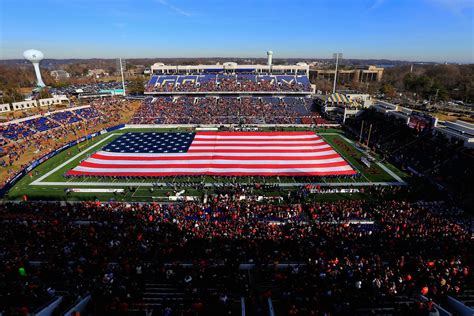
(59, 75)
(136, 70)
(370, 74)
(188, 79)
(97, 73)
(458, 130)
(342, 106)
(230, 68)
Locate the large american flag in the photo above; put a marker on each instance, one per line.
(155, 154)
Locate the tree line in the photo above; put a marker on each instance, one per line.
(443, 82)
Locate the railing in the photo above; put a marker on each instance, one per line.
(271, 311)
(80, 306)
(441, 310)
(48, 308)
(460, 307)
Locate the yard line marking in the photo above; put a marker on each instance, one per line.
(151, 184)
(70, 160)
(143, 182)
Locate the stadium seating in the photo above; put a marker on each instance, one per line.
(86, 88)
(240, 82)
(34, 137)
(223, 110)
(200, 258)
(87, 113)
(65, 117)
(418, 151)
(15, 131)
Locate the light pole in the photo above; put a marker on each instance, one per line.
(123, 81)
(337, 56)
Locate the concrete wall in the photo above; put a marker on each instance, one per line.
(5, 108)
(53, 100)
(23, 105)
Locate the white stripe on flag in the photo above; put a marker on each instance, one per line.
(214, 161)
(223, 153)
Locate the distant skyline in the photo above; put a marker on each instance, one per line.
(412, 30)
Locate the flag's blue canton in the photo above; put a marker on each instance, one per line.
(158, 143)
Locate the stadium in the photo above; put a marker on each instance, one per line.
(226, 113)
(234, 186)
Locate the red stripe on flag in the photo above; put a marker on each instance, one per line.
(263, 140)
(238, 152)
(255, 133)
(268, 151)
(177, 173)
(223, 143)
(210, 165)
(171, 157)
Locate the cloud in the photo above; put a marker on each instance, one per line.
(174, 8)
(455, 6)
(376, 3)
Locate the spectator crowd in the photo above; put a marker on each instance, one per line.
(91, 88)
(345, 255)
(420, 152)
(228, 83)
(224, 110)
(30, 139)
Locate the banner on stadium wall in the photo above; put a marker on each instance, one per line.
(420, 121)
(366, 161)
(86, 190)
(10, 183)
(330, 191)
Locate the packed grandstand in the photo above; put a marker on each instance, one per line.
(228, 83)
(224, 110)
(335, 244)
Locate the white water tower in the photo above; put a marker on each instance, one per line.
(35, 56)
(270, 57)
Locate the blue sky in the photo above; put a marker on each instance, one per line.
(417, 30)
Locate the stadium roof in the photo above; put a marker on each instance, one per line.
(337, 98)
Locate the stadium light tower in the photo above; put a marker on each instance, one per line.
(123, 81)
(337, 56)
(270, 57)
(35, 56)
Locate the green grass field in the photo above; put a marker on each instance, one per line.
(48, 183)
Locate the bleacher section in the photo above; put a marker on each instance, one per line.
(41, 124)
(15, 131)
(28, 127)
(224, 110)
(460, 130)
(87, 113)
(228, 83)
(461, 127)
(65, 117)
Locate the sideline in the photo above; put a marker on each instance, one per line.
(38, 181)
(208, 185)
(381, 165)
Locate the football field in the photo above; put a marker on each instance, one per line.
(48, 180)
